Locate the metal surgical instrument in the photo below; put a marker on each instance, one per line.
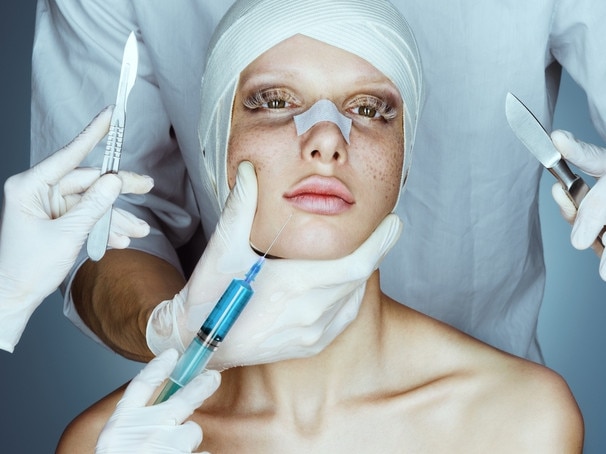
(214, 329)
(98, 237)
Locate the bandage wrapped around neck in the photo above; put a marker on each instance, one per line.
(373, 30)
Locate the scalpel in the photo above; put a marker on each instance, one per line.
(532, 134)
(98, 237)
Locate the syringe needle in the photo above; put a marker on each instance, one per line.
(277, 235)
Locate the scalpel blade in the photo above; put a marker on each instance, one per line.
(532, 134)
(99, 235)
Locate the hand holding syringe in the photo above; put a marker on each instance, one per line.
(214, 329)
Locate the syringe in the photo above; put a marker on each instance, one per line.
(214, 329)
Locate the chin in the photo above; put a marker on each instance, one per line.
(313, 247)
(309, 237)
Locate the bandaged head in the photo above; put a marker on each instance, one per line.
(387, 43)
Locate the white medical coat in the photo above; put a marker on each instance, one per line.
(471, 252)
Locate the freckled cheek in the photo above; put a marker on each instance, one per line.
(241, 147)
(383, 166)
(262, 148)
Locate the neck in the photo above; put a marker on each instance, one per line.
(310, 383)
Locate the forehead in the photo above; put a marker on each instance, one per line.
(302, 58)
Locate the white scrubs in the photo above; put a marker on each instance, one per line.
(471, 252)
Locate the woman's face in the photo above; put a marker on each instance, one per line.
(336, 192)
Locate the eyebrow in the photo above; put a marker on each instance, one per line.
(265, 78)
(274, 78)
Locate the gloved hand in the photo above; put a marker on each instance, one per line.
(46, 219)
(137, 428)
(299, 306)
(590, 219)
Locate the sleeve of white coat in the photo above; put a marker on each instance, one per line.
(578, 42)
(75, 69)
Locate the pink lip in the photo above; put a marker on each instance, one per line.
(320, 195)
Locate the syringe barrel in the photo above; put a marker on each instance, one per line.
(211, 334)
(213, 331)
(192, 362)
(226, 312)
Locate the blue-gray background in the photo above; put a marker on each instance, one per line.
(56, 371)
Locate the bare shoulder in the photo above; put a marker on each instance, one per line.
(82, 433)
(512, 404)
(531, 407)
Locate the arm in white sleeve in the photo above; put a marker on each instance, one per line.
(578, 41)
(75, 69)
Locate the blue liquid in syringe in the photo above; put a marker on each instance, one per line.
(211, 334)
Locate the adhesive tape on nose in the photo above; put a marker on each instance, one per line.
(323, 110)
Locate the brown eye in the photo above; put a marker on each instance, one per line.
(372, 108)
(367, 111)
(276, 104)
(270, 99)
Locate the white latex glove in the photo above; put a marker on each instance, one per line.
(299, 306)
(137, 428)
(47, 213)
(590, 219)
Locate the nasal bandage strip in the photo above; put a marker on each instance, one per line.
(322, 110)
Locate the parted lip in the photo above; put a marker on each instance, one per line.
(322, 195)
(319, 185)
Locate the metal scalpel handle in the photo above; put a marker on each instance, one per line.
(98, 237)
(575, 187)
(576, 190)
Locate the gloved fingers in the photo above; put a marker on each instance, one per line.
(181, 438)
(183, 403)
(54, 167)
(67, 201)
(591, 217)
(67, 193)
(196, 314)
(351, 269)
(77, 181)
(346, 314)
(303, 338)
(118, 241)
(57, 203)
(165, 327)
(369, 255)
(603, 262)
(590, 158)
(237, 216)
(567, 208)
(93, 204)
(124, 226)
(142, 387)
(133, 183)
(80, 179)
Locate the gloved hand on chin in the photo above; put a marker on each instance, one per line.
(271, 327)
(589, 220)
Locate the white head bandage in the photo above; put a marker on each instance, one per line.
(323, 110)
(371, 29)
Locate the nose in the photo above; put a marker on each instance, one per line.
(325, 143)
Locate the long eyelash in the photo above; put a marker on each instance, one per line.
(380, 105)
(258, 98)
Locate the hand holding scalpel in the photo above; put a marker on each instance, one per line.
(98, 237)
(532, 134)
